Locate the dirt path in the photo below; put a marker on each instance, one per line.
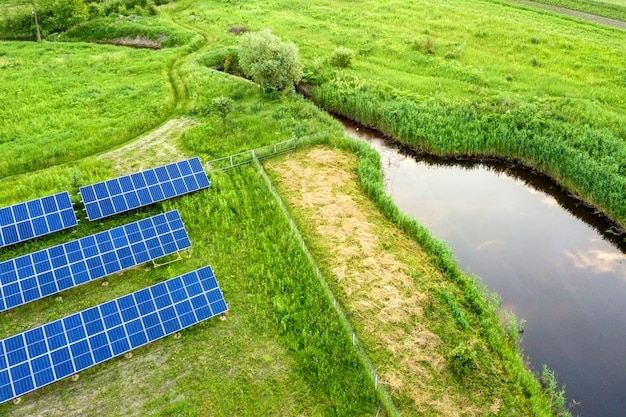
(574, 13)
(159, 147)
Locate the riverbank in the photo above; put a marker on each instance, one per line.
(438, 347)
(496, 218)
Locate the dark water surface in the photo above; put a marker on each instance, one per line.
(545, 254)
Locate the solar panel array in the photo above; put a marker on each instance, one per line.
(142, 188)
(55, 269)
(61, 348)
(34, 218)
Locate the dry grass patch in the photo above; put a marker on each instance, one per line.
(159, 147)
(382, 277)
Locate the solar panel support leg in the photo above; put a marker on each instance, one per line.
(224, 314)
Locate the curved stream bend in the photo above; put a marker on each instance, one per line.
(554, 262)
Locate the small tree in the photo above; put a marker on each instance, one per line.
(63, 14)
(222, 106)
(270, 62)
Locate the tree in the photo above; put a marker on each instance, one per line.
(63, 14)
(270, 62)
(222, 106)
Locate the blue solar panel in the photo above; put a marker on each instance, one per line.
(35, 218)
(52, 270)
(142, 188)
(64, 347)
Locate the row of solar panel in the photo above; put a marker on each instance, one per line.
(35, 218)
(61, 348)
(55, 269)
(43, 355)
(49, 214)
(142, 188)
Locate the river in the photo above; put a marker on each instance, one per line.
(554, 262)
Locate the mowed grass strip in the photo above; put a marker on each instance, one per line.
(397, 300)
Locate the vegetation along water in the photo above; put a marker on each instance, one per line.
(476, 78)
(498, 216)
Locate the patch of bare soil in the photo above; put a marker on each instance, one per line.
(138, 42)
(607, 21)
(91, 396)
(159, 147)
(375, 283)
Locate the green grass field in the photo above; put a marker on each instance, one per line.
(61, 103)
(475, 78)
(244, 365)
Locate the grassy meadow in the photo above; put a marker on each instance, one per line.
(62, 102)
(480, 78)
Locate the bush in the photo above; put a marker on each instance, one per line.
(462, 359)
(318, 73)
(222, 106)
(341, 57)
(454, 51)
(17, 26)
(60, 15)
(270, 62)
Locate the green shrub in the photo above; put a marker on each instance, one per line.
(223, 59)
(270, 62)
(430, 46)
(222, 106)
(17, 26)
(462, 359)
(318, 73)
(454, 51)
(341, 57)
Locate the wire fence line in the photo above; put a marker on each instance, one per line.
(381, 391)
(233, 161)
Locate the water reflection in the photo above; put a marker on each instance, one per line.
(525, 239)
(598, 261)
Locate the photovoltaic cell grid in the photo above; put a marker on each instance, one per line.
(55, 269)
(53, 351)
(142, 188)
(34, 218)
